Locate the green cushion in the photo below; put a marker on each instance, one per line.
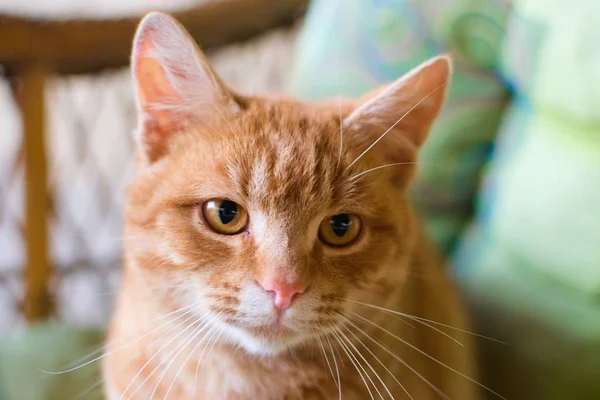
(533, 250)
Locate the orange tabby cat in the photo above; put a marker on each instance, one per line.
(267, 238)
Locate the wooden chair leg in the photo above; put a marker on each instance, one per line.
(29, 89)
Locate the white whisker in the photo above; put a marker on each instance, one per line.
(181, 348)
(397, 357)
(395, 123)
(105, 346)
(190, 355)
(154, 341)
(120, 347)
(88, 390)
(200, 359)
(441, 332)
(225, 119)
(341, 132)
(428, 355)
(339, 101)
(337, 371)
(164, 346)
(368, 365)
(356, 364)
(353, 177)
(416, 318)
(326, 359)
(379, 361)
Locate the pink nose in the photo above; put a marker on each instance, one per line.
(283, 293)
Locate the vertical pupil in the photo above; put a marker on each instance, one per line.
(227, 211)
(340, 224)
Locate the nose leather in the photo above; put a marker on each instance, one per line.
(284, 293)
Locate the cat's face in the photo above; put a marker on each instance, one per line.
(261, 214)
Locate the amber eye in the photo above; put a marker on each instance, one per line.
(225, 216)
(340, 230)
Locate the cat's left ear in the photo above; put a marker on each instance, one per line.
(175, 85)
(405, 109)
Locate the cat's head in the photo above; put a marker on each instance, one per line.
(265, 215)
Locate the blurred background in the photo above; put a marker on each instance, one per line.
(508, 184)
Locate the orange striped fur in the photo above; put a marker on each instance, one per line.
(192, 320)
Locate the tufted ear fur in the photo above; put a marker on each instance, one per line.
(174, 84)
(402, 112)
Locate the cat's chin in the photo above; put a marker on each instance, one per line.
(267, 347)
(262, 341)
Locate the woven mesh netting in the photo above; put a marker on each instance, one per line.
(11, 209)
(89, 146)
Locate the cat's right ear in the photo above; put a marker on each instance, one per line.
(175, 85)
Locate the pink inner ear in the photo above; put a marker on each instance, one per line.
(161, 57)
(156, 94)
(174, 83)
